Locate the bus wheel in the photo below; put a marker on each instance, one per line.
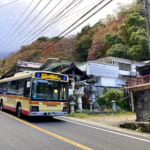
(18, 111)
(1, 105)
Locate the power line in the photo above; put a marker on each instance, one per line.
(4, 5)
(53, 20)
(40, 21)
(88, 18)
(18, 20)
(60, 13)
(26, 18)
(51, 44)
(85, 14)
(34, 19)
(74, 14)
(57, 4)
(56, 17)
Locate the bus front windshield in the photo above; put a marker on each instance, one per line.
(49, 90)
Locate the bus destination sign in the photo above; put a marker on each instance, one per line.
(50, 76)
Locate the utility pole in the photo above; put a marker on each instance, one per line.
(147, 14)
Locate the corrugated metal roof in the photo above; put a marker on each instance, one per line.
(28, 64)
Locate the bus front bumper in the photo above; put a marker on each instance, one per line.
(48, 113)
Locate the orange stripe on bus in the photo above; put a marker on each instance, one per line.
(51, 103)
(47, 103)
(14, 96)
(33, 102)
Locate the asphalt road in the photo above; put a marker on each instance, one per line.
(59, 134)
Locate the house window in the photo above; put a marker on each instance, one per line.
(126, 67)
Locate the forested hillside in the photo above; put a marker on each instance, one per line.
(121, 35)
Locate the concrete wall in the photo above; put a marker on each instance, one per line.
(102, 70)
(109, 75)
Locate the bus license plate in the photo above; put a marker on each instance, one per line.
(51, 114)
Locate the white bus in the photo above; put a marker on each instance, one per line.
(35, 94)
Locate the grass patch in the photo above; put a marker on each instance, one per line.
(86, 114)
(83, 115)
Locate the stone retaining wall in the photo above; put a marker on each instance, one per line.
(139, 126)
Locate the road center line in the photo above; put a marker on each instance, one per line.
(105, 130)
(50, 133)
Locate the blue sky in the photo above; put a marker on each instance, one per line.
(12, 38)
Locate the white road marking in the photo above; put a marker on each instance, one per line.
(105, 130)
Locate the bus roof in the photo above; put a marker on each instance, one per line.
(26, 74)
(19, 75)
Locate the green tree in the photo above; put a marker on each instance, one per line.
(135, 52)
(84, 42)
(133, 22)
(84, 31)
(100, 23)
(138, 37)
(135, 19)
(112, 94)
(132, 29)
(43, 38)
(111, 39)
(56, 38)
(139, 45)
(134, 32)
(82, 46)
(117, 50)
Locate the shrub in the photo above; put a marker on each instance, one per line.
(112, 94)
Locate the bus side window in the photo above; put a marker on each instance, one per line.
(21, 85)
(27, 88)
(3, 88)
(12, 88)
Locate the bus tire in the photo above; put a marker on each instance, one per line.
(18, 110)
(1, 105)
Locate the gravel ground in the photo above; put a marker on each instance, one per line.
(112, 120)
